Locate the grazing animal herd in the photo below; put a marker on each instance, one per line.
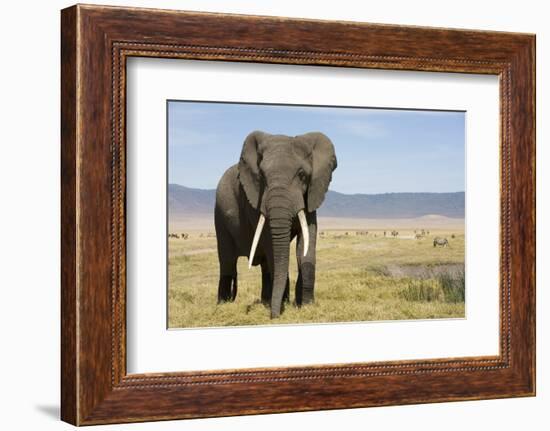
(418, 235)
(179, 235)
(187, 236)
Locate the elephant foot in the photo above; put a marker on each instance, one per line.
(307, 299)
(307, 295)
(227, 288)
(304, 300)
(305, 284)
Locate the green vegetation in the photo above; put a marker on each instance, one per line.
(421, 290)
(359, 278)
(454, 288)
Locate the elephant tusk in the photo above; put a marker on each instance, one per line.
(305, 230)
(256, 239)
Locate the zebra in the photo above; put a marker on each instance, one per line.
(442, 242)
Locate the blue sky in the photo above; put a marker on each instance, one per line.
(378, 150)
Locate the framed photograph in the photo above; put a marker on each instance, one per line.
(319, 215)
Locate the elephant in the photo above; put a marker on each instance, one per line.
(265, 201)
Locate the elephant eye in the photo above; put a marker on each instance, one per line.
(302, 175)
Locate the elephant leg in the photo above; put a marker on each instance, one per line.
(227, 256)
(267, 284)
(227, 288)
(305, 283)
(298, 293)
(306, 264)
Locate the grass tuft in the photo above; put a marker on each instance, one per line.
(421, 291)
(453, 286)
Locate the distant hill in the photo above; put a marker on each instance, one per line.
(185, 201)
(393, 205)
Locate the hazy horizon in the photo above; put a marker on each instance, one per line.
(330, 190)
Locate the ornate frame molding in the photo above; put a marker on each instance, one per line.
(96, 41)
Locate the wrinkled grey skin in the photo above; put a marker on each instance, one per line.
(277, 176)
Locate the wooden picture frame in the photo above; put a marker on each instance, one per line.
(95, 43)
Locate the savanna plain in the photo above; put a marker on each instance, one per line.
(367, 270)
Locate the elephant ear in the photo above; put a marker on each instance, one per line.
(323, 163)
(249, 171)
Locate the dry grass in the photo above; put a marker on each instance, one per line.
(359, 278)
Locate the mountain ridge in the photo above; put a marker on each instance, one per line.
(186, 201)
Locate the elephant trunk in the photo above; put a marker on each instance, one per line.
(280, 220)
